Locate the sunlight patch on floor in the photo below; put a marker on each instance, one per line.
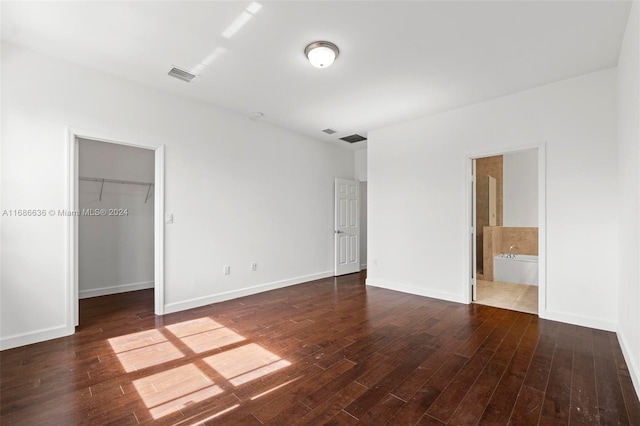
(204, 334)
(218, 414)
(171, 390)
(144, 349)
(198, 325)
(245, 363)
(167, 392)
(275, 388)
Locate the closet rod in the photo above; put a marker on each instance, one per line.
(126, 182)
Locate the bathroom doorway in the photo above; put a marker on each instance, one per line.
(506, 211)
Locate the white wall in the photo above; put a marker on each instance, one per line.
(115, 252)
(629, 194)
(240, 191)
(361, 165)
(520, 188)
(418, 219)
(363, 225)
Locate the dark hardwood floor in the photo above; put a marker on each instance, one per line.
(329, 351)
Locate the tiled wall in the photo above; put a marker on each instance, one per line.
(488, 166)
(498, 239)
(492, 166)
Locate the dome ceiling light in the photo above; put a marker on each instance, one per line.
(321, 54)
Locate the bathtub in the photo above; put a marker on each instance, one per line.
(521, 269)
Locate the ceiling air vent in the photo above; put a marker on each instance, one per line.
(329, 131)
(181, 74)
(353, 138)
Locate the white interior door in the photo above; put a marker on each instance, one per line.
(347, 227)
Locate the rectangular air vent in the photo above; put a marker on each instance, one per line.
(181, 74)
(353, 138)
(329, 131)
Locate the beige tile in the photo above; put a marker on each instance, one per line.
(517, 297)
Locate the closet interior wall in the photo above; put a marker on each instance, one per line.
(115, 238)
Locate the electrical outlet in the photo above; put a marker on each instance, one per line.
(227, 269)
(254, 266)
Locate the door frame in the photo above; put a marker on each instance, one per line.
(474, 248)
(542, 218)
(72, 220)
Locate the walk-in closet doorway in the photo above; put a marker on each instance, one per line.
(115, 222)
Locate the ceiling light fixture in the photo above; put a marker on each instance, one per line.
(321, 54)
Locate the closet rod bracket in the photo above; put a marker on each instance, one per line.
(148, 192)
(101, 188)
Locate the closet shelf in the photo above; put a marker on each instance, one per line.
(124, 182)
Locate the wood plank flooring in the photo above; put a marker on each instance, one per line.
(326, 352)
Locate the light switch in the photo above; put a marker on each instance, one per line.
(168, 218)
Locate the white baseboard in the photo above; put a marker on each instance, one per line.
(363, 266)
(37, 336)
(233, 294)
(419, 291)
(451, 297)
(103, 291)
(578, 320)
(634, 370)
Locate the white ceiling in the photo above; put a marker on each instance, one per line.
(398, 60)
